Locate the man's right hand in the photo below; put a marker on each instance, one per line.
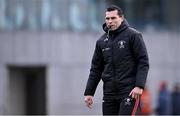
(89, 101)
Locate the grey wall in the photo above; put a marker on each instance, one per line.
(67, 57)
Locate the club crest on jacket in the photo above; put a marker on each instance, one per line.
(121, 44)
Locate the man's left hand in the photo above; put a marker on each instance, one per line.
(136, 92)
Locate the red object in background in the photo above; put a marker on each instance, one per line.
(146, 108)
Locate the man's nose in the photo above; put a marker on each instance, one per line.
(109, 21)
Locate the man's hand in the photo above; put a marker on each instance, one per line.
(89, 101)
(136, 92)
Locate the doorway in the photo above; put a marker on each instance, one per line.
(27, 90)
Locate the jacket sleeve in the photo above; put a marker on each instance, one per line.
(95, 71)
(141, 57)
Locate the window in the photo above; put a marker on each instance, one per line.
(75, 15)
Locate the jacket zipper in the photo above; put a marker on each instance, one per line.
(111, 40)
(112, 53)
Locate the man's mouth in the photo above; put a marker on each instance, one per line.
(110, 26)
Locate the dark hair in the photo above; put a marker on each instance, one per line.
(113, 8)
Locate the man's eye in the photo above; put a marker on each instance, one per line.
(113, 17)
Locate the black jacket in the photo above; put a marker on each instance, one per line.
(120, 59)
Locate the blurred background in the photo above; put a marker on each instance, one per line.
(46, 48)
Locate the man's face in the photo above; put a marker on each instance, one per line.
(113, 20)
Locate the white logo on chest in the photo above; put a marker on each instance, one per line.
(121, 44)
(105, 49)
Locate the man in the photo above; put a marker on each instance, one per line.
(175, 99)
(164, 100)
(120, 59)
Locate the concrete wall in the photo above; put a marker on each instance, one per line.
(67, 57)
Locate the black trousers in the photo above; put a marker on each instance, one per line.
(125, 106)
